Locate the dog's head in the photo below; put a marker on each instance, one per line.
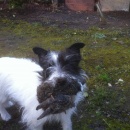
(58, 64)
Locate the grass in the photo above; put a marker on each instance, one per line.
(106, 59)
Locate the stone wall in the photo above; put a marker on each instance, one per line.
(115, 5)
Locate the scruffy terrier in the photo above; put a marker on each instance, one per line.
(20, 80)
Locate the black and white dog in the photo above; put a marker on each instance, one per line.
(19, 79)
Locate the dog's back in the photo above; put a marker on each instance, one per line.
(16, 76)
(19, 80)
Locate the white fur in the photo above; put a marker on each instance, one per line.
(18, 83)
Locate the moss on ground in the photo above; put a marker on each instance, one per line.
(106, 59)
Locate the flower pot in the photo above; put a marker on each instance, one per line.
(80, 5)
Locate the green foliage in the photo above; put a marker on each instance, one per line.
(17, 3)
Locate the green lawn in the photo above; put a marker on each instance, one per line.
(105, 58)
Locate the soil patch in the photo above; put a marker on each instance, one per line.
(65, 18)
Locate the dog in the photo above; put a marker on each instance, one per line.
(21, 77)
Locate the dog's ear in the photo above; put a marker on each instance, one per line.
(76, 47)
(72, 55)
(40, 51)
(41, 54)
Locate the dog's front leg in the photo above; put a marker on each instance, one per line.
(66, 122)
(35, 128)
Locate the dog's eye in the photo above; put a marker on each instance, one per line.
(47, 65)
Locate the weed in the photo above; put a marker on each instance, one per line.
(104, 77)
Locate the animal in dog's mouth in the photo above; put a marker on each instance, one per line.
(46, 91)
(58, 98)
